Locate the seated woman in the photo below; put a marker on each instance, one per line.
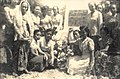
(101, 54)
(48, 46)
(37, 56)
(76, 49)
(86, 60)
(114, 54)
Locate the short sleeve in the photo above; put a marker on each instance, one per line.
(91, 44)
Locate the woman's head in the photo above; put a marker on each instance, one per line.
(104, 31)
(83, 34)
(37, 10)
(24, 7)
(92, 6)
(76, 34)
(55, 9)
(37, 34)
(107, 4)
(113, 8)
(49, 33)
(44, 10)
(99, 7)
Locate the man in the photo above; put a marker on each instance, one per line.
(94, 20)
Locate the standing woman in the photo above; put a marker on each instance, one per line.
(10, 12)
(45, 19)
(57, 19)
(9, 29)
(36, 16)
(3, 57)
(23, 29)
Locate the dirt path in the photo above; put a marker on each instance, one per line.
(49, 74)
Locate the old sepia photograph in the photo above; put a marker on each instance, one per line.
(59, 39)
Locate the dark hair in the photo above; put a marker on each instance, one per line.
(44, 8)
(57, 8)
(85, 29)
(27, 4)
(36, 31)
(82, 27)
(36, 6)
(105, 29)
(76, 31)
(49, 30)
(33, 7)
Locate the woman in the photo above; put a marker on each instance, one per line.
(45, 19)
(10, 13)
(100, 8)
(37, 56)
(101, 54)
(48, 46)
(76, 49)
(86, 60)
(36, 16)
(57, 19)
(23, 29)
(114, 54)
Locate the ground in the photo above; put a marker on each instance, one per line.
(47, 74)
(52, 74)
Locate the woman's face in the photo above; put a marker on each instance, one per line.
(107, 4)
(24, 7)
(83, 34)
(76, 34)
(102, 33)
(91, 7)
(37, 10)
(113, 9)
(55, 10)
(38, 35)
(99, 8)
(49, 35)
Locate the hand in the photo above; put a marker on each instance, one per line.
(90, 66)
(30, 40)
(20, 37)
(103, 54)
(46, 57)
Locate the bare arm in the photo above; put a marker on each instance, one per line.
(91, 63)
(91, 51)
(7, 13)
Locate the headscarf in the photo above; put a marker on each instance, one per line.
(19, 19)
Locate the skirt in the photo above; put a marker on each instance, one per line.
(77, 65)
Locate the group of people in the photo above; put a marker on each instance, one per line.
(100, 40)
(32, 39)
(28, 35)
(104, 27)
